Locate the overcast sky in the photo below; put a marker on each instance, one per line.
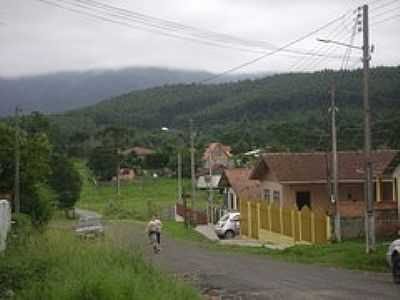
(38, 38)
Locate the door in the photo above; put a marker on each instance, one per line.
(303, 199)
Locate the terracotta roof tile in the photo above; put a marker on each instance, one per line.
(315, 166)
(239, 180)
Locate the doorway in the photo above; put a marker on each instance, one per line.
(303, 199)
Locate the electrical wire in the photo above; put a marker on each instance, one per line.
(167, 27)
(238, 67)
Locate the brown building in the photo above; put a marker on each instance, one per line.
(302, 179)
(237, 185)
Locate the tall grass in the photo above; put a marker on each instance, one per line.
(57, 266)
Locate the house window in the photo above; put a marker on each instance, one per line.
(303, 199)
(267, 196)
(277, 196)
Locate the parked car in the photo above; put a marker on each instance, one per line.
(90, 227)
(393, 259)
(228, 226)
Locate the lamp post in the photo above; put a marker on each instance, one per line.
(179, 160)
(370, 217)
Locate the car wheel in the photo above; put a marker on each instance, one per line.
(229, 234)
(396, 269)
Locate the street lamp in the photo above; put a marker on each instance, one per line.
(179, 162)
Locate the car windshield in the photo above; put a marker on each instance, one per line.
(224, 218)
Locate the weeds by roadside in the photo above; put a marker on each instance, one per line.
(57, 265)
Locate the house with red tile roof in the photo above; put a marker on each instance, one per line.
(303, 179)
(217, 154)
(237, 185)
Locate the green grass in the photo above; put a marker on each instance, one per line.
(178, 231)
(56, 265)
(137, 200)
(349, 254)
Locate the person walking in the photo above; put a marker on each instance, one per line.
(158, 227)
(151, 230)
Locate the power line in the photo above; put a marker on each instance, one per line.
(273, 52)
(168, 28)
(385, 20)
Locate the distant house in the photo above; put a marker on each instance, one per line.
(126, 174)
(217, 154)
(140, 152)
(236, 185)
(302, 179)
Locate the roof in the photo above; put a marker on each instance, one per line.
(139, 151)
(238, 179)
(311, 167)
(211, 148)
(215, 169)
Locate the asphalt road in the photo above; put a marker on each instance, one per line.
(238, 276)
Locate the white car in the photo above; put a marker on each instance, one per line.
(90, 227)
(393, 259)
(228, 226)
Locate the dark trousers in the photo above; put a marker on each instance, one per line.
(158, 237)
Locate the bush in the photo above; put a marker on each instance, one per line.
(39, 204)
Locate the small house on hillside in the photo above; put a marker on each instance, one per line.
(217, 154)
(236, 185)
(140, 152)
(302, 179)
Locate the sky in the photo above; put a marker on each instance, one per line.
(38, 38)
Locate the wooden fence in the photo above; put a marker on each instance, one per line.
(201, 216)
(271, 222)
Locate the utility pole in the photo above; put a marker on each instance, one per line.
(335, 190)
(370, 217)
(179, 172)
(193, 171)
(118, 180)
(17, 163)
(210, 191)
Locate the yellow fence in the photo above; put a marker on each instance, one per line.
(260, 221)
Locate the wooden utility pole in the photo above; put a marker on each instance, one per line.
(118, 179)
(193, 171)
(17, 201)
(370, 217)
(179, 173)
(335, 190)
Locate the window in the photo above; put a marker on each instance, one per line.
(277, 196)
(267, 196)
(302, 199)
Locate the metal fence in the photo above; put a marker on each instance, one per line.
(265, 222)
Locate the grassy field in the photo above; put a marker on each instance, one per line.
(55, 265)
(137, 200)
(349, 255)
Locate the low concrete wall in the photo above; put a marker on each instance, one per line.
(386, 224)
(5, 223)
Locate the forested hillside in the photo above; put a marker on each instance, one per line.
(70, 90)
(286, 111)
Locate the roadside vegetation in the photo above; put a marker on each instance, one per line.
(138, 200)
(55, 264)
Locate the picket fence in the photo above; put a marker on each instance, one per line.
(265, 222)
